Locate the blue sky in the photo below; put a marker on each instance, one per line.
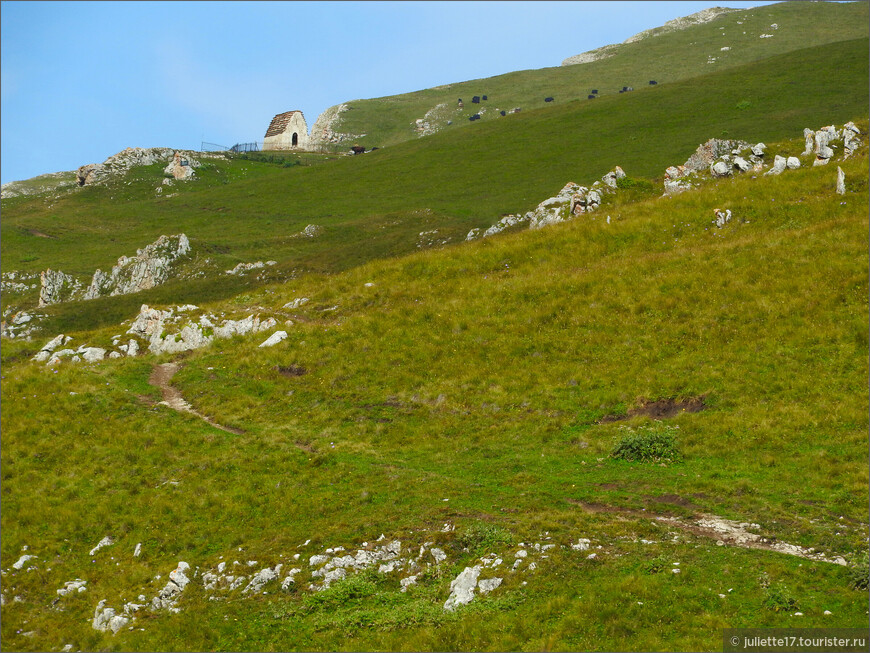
(81, 81)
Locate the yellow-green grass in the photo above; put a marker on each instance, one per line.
(479, 373)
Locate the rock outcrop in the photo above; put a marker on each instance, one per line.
(571, 201)
(151, 267)
(56, 287)
(181, 167)
(324, 129)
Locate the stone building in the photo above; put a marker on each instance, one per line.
(287, 131)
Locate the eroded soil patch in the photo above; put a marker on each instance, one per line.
(660, 409)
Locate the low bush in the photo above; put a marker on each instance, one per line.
(647, 444)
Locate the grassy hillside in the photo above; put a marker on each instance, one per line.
(376, 205)
(469, 386)
(666, 58)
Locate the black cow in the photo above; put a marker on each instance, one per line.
(624, 89)
(503, 112)
(595, 91)
(358, 149)
(652, 82)
(548, 99)
(590, 97)
(484, 98)
(475, 99)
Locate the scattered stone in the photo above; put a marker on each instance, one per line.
(792, 163)
(841, 181)
(22, 561)
(438, 554)
(296, 303)
(274, 339)
(138, 550)
(722, 217)
(261, 578)
(582, 544)
(73, 586)
(106, 619)
(407, 582)
(106, 541)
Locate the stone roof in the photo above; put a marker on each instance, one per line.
(279, 123)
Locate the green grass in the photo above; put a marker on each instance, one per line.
(479, 374)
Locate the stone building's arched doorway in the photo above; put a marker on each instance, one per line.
(295, 139)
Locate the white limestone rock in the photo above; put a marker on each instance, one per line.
(274, 339)
(462, 588)
(106, 541)
(261, 578)
(56, 287)
(19, 564)
(93, 354)
(106, 619)
(151, 267)
(76, 586)
(792, 163)
(779, 164)
(489, 584)
(841, 181)
(720, 169)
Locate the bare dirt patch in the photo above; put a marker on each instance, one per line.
(160, 378)
(40, 234)
(291, 371)
(660, 409)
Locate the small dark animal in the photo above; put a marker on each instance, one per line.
(595, 91)
(548, 99)
(358, 149)
(652, 82)
(624, 88)
(503, 112)
(484, 98)
(475, 99)
(590, 97)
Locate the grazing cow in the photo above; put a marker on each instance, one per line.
(503, 112)
(652, 82)
(624, 88)
(595, 91)
(590, 97)
(475, 99)
(484, 98)
(548, 99)
(358, 149)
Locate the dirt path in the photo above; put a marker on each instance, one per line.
(160, 378)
